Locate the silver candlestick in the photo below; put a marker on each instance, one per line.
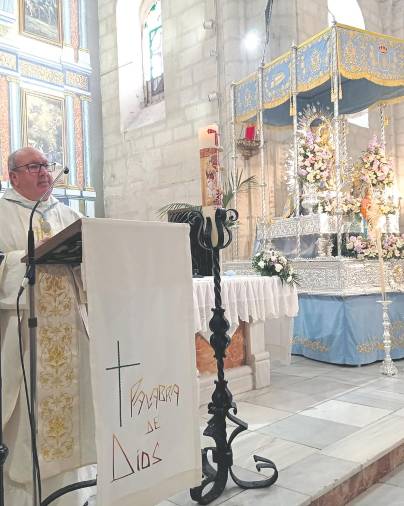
(388, 368)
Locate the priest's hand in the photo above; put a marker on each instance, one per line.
(42, 241)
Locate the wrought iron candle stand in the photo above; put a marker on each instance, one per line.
(215, 237)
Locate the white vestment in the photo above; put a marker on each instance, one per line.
(64, 403)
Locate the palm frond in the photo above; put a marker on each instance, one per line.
(177, 206)
(236, 184)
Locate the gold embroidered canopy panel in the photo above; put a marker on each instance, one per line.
(370, 69)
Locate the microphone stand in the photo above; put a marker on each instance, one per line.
(3, 447)
(32, 325)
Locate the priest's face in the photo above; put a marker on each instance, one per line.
(29, 178)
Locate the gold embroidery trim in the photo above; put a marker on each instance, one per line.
(310, 344)
(56, 368)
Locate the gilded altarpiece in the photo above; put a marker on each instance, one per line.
(43, 88)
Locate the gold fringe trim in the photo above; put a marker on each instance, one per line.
(313, 84)
(370, 77)
(389, 101)
(246, 116)
(275, 103)
(368, 32)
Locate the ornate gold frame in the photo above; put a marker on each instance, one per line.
(21, 16)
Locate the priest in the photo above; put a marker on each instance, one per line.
(64, 403)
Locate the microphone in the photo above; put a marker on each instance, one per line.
(31, 239)
(46, 194)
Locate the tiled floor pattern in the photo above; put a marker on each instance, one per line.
(321, 424)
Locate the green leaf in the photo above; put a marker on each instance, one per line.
(236, 184)
(177, 206)
(233, 185)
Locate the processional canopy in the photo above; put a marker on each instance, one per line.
(369, 68)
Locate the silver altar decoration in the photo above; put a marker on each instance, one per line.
(295, 191)
(387, 367)
(337, 276)
(324, 246)
(240, 267)
(343, 276)
(263, 164)
(309, 198)
(396, 277)
(322, 223)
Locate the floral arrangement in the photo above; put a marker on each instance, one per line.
(365, 249)
(387, 205)
(351, 205)
(374, 167)
(360, 248)
(272, 263)
(314, 160)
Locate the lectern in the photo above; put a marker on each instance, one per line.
(65, 248)
(140, 324)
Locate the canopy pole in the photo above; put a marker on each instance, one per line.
(382, 109)
(262, 145)
(293, 110)
(235, 245)
(335, 92)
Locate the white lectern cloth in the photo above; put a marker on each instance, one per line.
(139, 289)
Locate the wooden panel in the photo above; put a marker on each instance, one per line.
(235, 353)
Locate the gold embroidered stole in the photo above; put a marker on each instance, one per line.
(58, 369)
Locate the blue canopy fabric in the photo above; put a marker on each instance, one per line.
(370, 66)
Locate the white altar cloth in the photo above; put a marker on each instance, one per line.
(248, 298)
(267, 305)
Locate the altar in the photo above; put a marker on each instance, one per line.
(260, 311)
(340, 319)
(340, 225)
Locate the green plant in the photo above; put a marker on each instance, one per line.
(234, 184)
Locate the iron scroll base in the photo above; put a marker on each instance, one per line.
(222, 406)
(69, 488)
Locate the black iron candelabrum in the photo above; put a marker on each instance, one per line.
(214, 237)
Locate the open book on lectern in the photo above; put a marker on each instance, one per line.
(63, 248)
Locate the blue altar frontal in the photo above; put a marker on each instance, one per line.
(347, 329)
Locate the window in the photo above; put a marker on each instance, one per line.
(152, 49)
(348, 12)
(140, 63)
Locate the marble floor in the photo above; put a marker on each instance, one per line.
(321, 424)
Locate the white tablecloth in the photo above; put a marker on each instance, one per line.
(248, 298)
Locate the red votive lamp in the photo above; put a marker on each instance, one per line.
(250, 133)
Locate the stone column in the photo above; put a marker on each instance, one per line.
(4, 126)
(67, 39)
(83, 24)
(14, 93)
(85, 104)
(257, 355)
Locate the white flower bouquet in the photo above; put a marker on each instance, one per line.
(272, 263)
